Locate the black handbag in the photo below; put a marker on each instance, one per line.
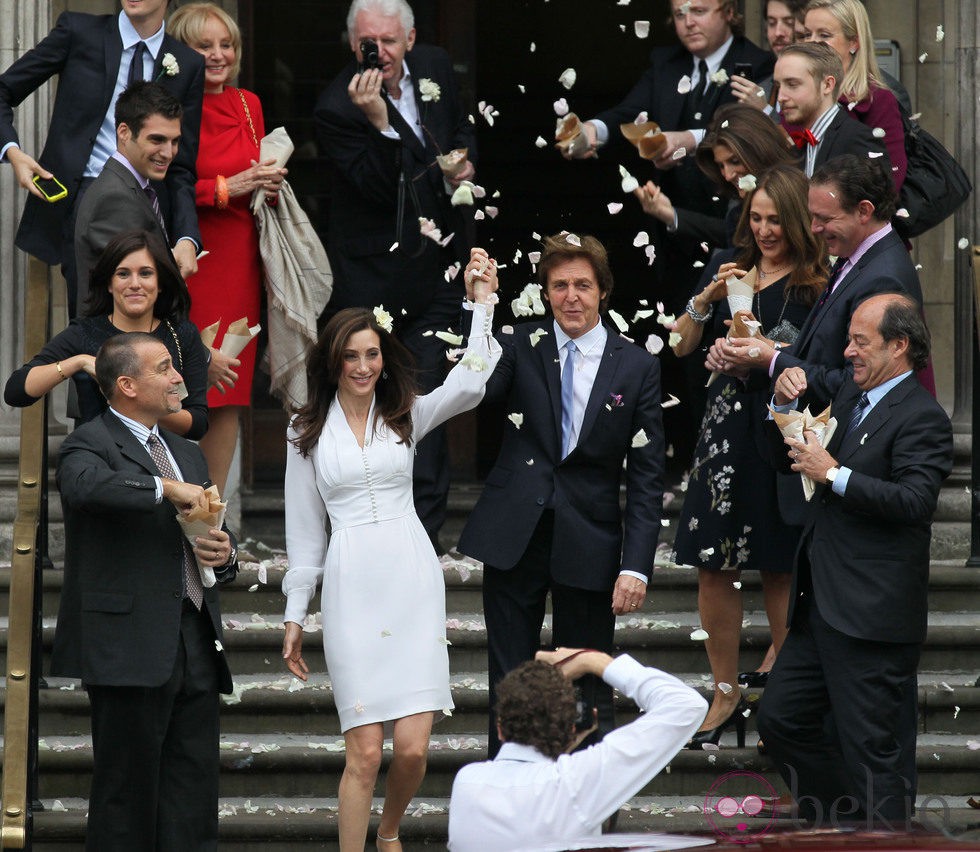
(935, 184)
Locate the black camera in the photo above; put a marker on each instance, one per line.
(369, 54)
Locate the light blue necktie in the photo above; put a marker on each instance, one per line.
(567, 397)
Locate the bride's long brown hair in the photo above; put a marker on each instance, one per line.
(394, 392)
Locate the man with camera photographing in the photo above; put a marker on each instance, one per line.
(380, 125)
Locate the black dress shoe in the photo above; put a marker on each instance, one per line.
(712, 735)
(753, 680)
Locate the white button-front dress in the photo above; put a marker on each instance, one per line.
(383, 599)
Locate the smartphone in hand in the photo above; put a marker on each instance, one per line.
(51, 188)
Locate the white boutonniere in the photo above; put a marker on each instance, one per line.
(383, 318)
(170, 66)
(720, 77)
(429, 90)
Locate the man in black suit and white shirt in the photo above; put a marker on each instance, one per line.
(135, 622)
(381, 130)
(92, 55)
(809, 77)
(123, 196)
(839, 712)
(581, 401)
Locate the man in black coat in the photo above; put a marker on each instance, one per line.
(549, 517)
(839, 712)
(135, 622)
(381, 130)
(92, 57)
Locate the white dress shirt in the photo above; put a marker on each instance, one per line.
(406, 106)
(522, 798)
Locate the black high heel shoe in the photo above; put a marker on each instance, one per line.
(712, 735)
(753, 680)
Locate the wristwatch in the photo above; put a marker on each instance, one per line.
(831, 474)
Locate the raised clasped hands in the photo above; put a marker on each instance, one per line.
(365, 93)
(480, 276)
(265, 175)
(292, 650)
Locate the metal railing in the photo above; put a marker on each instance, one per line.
(29, 551)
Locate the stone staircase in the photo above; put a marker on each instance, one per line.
(282, 753)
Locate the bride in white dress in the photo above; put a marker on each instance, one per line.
(349, 459)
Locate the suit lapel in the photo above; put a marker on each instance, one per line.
(179, 450)
(128, 445)
(113, 56)
(611, 355)
(547, 350)
(876, 418)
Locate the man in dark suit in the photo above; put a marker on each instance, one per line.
(839, 712)
(549, 517)
(123, 196)
(381, 130)
(809, 77)
(852, 200)
(93, 59)
(135, 623)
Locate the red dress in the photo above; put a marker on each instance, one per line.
(228, 283)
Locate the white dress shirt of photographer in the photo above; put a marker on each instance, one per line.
(523, 798)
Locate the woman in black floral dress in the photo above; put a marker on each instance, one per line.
(731, 518)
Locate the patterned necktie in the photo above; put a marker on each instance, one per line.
(151, 194)
(136, 66)
(857, 414)
(193, 587)
(567, 397)
(831, 281)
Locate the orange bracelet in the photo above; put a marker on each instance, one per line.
(220, 192)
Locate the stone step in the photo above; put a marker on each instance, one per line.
(291, 765)
(952, 586)
(949, 703)
(254, 641)
(274, 824)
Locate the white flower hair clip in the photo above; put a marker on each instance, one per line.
(383, 318)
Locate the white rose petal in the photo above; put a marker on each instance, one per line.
(450, 338)
(383, 318)
(737, 584)
(573, 239)
(747, 183)
(529, 462)
(684, 85)
(641, 239)
(618, 321)
(670, 402)
(629, 183)
(567, 78)
(964, 243)
(254, 587)
(754, 352)
(561, 107)
(654, 344)
(902, 213)
(699, 635)
(534, 256)
(923, 57)
(640, 439)
(940, 35)
(516, 418)
(641, 28)
(674, 339)
(614, 207)
(535, 336)
(533, 47)
(679, 154)
(878, 133)
(492, 211)
(874, 155)
(541, 142)
(393, 246)
(475, 362)
(463, 194)
(651, 253)
(642, 314)
(726, 688)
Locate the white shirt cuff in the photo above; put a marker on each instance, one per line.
(627, 573)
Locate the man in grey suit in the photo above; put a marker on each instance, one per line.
(839, 712)
(124, 195)
(95, 57)
(135, 622)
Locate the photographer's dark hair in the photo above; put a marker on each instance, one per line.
(173, 300)
(143, 99)
(536, 707)
(393, 396)
(856, 179)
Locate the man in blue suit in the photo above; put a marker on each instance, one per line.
(581, 401)
(93, 58)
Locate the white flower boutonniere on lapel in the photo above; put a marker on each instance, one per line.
(429, 90)
(170, 66)
(720, 77)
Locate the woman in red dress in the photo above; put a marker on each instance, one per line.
(228, 283)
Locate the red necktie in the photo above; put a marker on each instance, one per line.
(802, 138)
